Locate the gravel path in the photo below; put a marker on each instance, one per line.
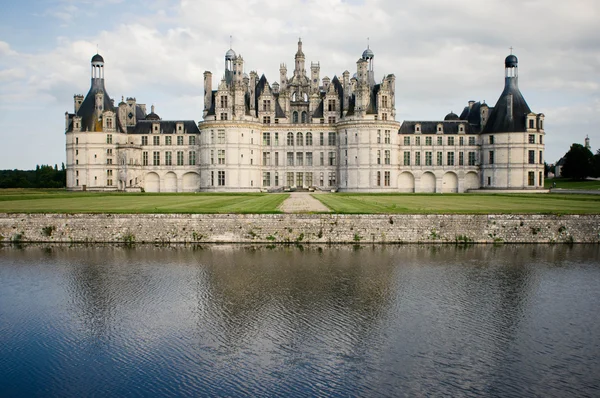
(302, 202)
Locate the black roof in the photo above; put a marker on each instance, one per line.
(166, 127)
(88, 106)
(97, 58)
(430, 127)
(510, 112)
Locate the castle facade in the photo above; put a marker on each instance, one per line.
(302, 132)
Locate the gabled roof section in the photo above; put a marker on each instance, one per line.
(509, 114)
(166, 127)
(340, 91)
(372, 109)
(88, 106)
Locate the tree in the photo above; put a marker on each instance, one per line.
(578, 163)
(596, 164)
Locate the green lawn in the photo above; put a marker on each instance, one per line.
(461, 203)
(566, 183)
(59, 201)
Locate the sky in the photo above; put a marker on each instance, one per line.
(443, 54)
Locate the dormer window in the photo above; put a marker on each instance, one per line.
(461, 129)
(156, 128)
(440, 129)
(417, 128)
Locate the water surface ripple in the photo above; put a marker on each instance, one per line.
(236, 321)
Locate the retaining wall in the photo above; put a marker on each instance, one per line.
(298, 228)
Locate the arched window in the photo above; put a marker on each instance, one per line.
(305, 97)
(294, 96)
(299, 139)
(304, 119)
(290, 138)
(308, 138)
(295, 117)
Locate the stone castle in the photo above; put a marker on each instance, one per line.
(302, 132)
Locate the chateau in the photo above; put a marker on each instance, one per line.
(302, 132)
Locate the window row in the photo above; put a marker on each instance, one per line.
(168, 159)
(451, 160)
(168, 140)
(451, 140)
(299, 139)
(386, 179)
(298, 179)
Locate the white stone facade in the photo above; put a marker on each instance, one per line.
(301, 133)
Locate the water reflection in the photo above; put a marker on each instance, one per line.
(313, 320)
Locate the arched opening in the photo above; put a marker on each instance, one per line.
(450, 183)
(191, 182)
(471, 181)
(295, 117)
(427, 182)
(299, 139)
(304, 117)
(152, 182)
(406, 182)
(170, 182)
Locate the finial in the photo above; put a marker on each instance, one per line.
(368, 42)
(511, 50)
(230, 41)
(122, 99)
(152, 108)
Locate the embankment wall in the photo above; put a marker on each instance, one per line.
(298, 228)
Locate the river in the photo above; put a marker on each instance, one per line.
(369, 321)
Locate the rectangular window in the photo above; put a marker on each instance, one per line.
(109, 138)
(379, 178)
(331, 105)
(309, 158)
(168, 159)
(428, 158)
(331, 119)
(180, 140)
(491, 157)
(379, 136)
(440, 140)
(331, 139)
(540, 179)
(332, 158)
(156, 158)
(472, 158)
(266, 119)
(541, 161)
(531, 137)
(299, 139)
(212, 178)
(531, 157)
(221, 137)
(332, 179)
(192, 158)
(299, 179)
(308, 179)
(168, 140)
(290, 158)
(417, 140)
(109, 152)
(387, 157)
(428, 140)
(109, 161)
(378, 157)
(386, 178)
(212, 156)
(491, 140)
(192, 140)
(223, 101)
(384, 101)
(461, 158)
(266, 179)
(276, 158)
(384, 116)
(144, 158)
(266, 158)
(221, 156)
(156, 140)
(309, 139)
(289, 179)
(290, 139)
(299, 159)
(388, 135)
(109, 173)
(407, 158)
(451, 140)
(461, 141)
(276, 138)
(417, 158)
(276, 179)
(531, 123)
(407, 140)
(531, 178)
(541, 139)
(450, 158)
(439, 158)
(471, 140)
(179, 158)
(321, 138)
(144, 140)
(221, 178)
(266, 138)
(266, 105)
(322, 159)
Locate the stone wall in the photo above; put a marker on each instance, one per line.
(299, 228)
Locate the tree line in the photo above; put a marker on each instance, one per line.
(44, 176)
(580, 163)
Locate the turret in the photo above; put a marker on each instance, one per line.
(282, 77)
(300, 69)
(314, 76)
(207, 91)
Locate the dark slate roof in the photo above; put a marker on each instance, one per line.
(504, 118)
(430, 127)
(211, 111)
(340, 91)
(452, 116)
(279, 113)
(87, 108)
(166, 127)
(351, 104)
(97, 58)
(318, 113)
(260, 87)
(472, 115)
(372, 109)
